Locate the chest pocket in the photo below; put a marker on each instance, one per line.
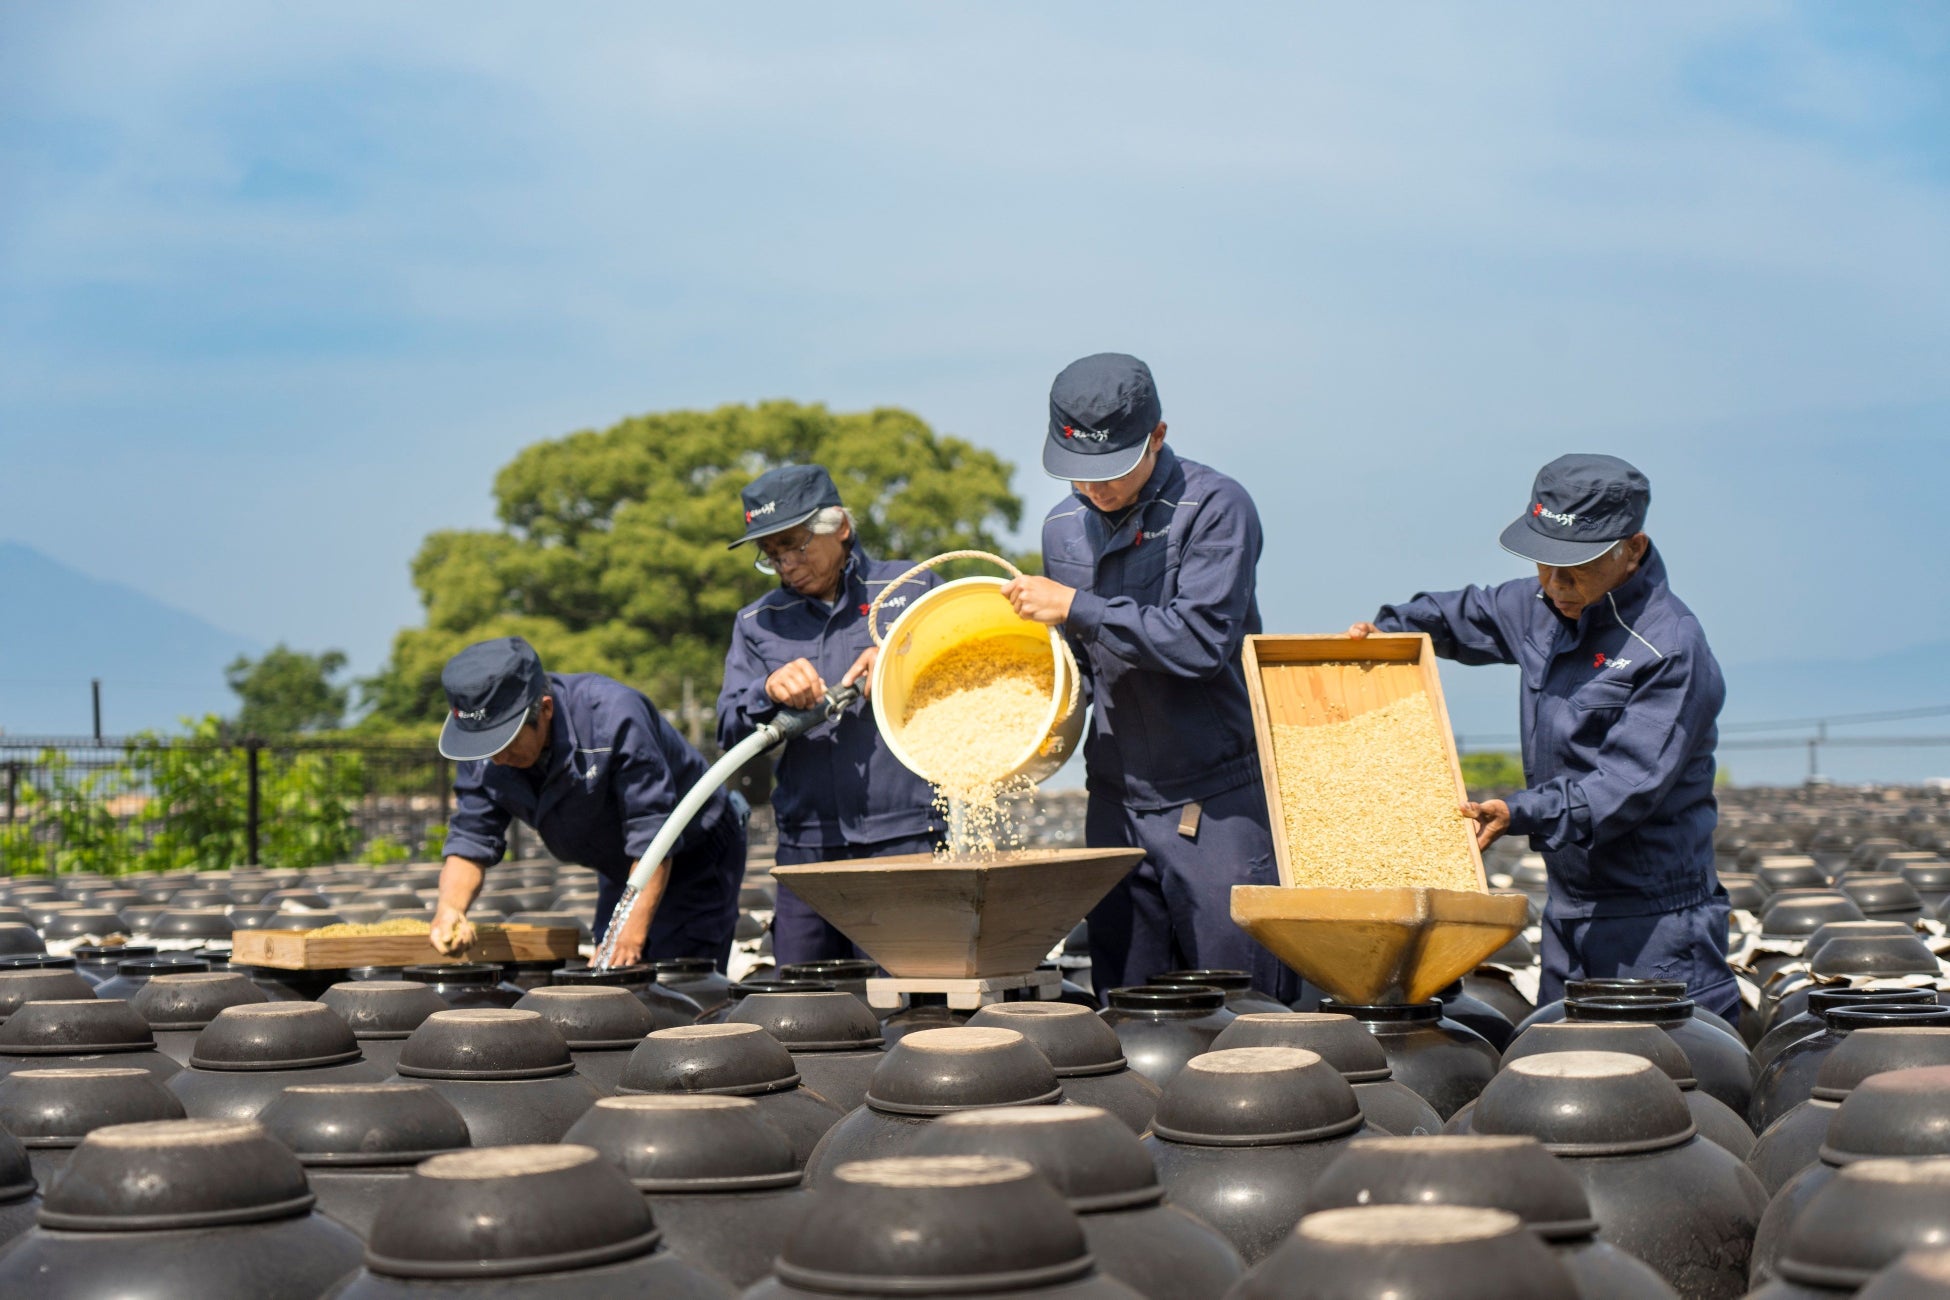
(1602, 693)
(1143, 569)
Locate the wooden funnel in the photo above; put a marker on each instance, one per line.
(923, 918)
(1370, 946)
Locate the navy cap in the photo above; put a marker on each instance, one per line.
(491, 686)
(784, 498)
(1101, 410)
(1580, 507)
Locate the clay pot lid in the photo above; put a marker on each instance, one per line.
(1873, 955)
(1852, 1016)
(728, 1060)
(1256, 1096)
(1428, 1012)
(1499, 1173)
(1855, 929)
(41, 984)
(1823, 1000)
(902, 1227)
(383, 1009)
(192, 923)
(304, 920)
(57, 1108)
(472, 1214)
(1338, 1039)
(830, 969)
(74, 1026)
(112, 952)
(745, 988)
(491, 1043)
(693, 1144)
(592, 1017)
(1075, 1040)
(1227, 981)
(1197, 999)
(684, 966)
(1088, 1155)
(1586, 1104)
(1927, 875)
(83, 920)
(1415, 1252)
(485, 974)
(364, 1124)
(1792, 916)
(1918, 1275)
(274, 1036)
(1646, 1041)
(614, 977)
(1605, 986)
(1879, 1051)
(16, 936)
(935, 1071)
(35, 961)
(168, 1175)
(1791, 875)
(186, 1000)
(1902, 1112)
(811, 1022)
(1864, 1219)
(1883, 892)
(1630, 1008)
(278, 898)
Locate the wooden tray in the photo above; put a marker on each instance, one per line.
(304, 950)
(1313, 680)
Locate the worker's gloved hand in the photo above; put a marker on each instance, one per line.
(798, 685)
(1362, 631)
(1040, 600)
(862, 671)
(452, 931)
(1492, 818)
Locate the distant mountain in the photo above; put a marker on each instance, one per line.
(59, 628)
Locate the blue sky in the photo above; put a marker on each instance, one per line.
(282, 287)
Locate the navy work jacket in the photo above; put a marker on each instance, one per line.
(1620, 715)
(1165, 599)
(838, 783)
(615, 771)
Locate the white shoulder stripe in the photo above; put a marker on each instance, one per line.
(1629, 628)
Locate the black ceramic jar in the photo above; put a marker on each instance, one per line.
(1162, 1026)
(1861, 1222)
(1241, 997)
(507, 1072)
(1241, 1135)
(40, 984)
(1718, 1122)
(1084, 1051)
(1472, 1013)
(1616, 985)
(359, 1142)
(1794, 1141)
(97, 962)
(925, 1011)
(697, 978)
(1389, 1106)
(465, 984)
(1789, 1078)
(1810, 1020)
(528, 1222)
(901, 1227)
(835, 1040)
(51, 1111)
(733, 1061)
(1439, 1060)
(183, 1210)
(929, 1074)
(130, 976)
(59, 1033)
(720, 1178)
(250, 1053)
(667, 1006)
(1436, 1252)
(1902, 1114)
(736, 993)
(602, 1026)
(179, 1006)
(1105, 1174)
(1683, 1205)
(382, 1014)
(1720, 1060)
(18, 937)
(1514, 1174)
(846, 974)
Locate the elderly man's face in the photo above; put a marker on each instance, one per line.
(807, 562)
(531, 740)
(1119, 493)
(1571, 591)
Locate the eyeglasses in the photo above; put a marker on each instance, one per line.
(768, 562)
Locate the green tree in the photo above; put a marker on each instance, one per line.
(1492, 771)
(612, 555)
(288, 691)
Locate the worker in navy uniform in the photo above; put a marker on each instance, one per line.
(1621, 697)
(1151, 574)
(838, 792)
(592, 766)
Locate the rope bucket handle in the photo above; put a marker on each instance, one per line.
(1062, 642)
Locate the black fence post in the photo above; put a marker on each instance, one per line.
(13, 790)
(252, 747)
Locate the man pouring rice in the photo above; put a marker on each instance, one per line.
(1621, 697)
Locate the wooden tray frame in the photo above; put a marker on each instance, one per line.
(1312, 679)
(304, 950)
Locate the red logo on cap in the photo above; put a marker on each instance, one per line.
(1598, 662)
(1069, 432)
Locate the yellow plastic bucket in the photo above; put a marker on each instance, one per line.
(954, 614)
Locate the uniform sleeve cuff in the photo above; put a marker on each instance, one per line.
(459, 846)
(1524, 819)
(1086, 613)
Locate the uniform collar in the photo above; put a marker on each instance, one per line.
(1166, 475)
(1623, 604)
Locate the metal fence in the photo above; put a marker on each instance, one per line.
(113, 805)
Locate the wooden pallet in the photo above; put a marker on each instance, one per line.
(305, 950)
(1311, 681)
